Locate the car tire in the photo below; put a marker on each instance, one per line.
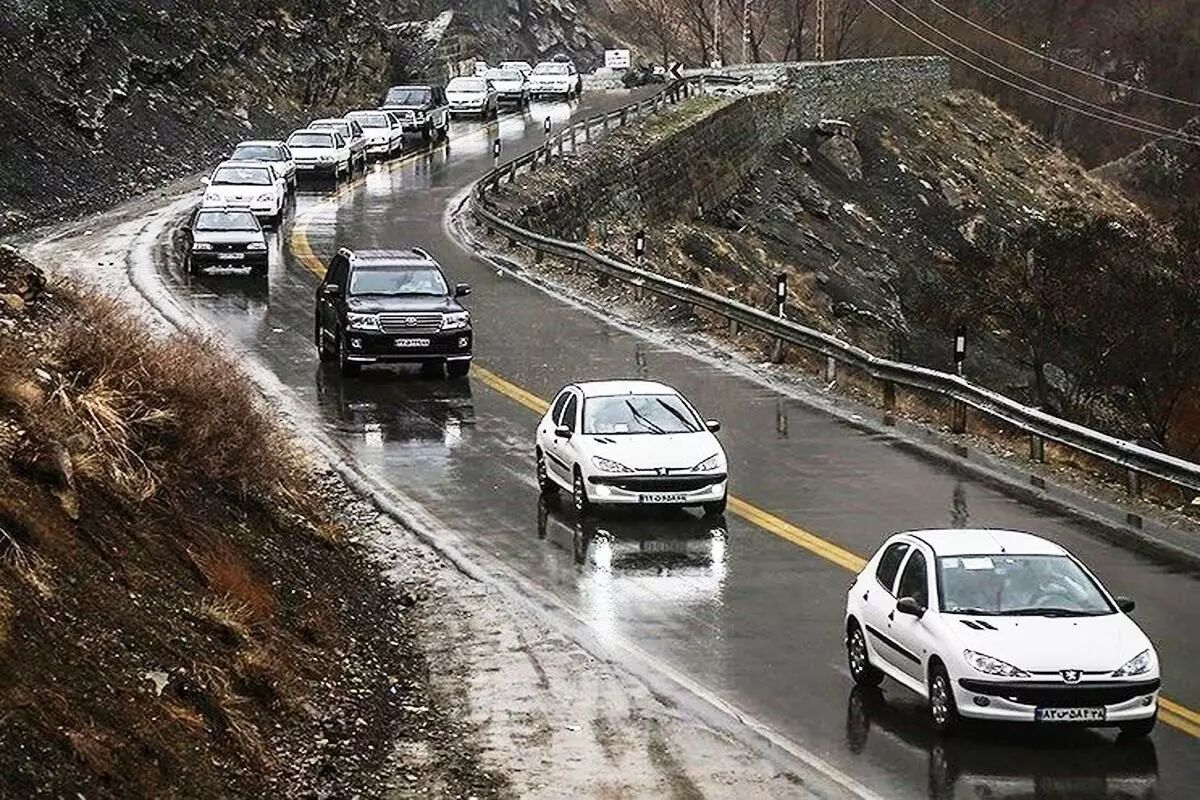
(427, 132)
(190, 266)
(943, 710)
(258, 271)
(583, 506)
(458, 369)
(862, 671)
(716, 508)
(545, 484)
(347, 367)
(324, 353)
(1138, 729)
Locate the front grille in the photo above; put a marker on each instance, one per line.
(229, 247)
(1057, 695)
(417, 322)
(666, 483)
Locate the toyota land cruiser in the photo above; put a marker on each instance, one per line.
(420, 109)
(391, 306)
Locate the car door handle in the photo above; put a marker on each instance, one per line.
(891, 616)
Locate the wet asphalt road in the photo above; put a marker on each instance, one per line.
(748, 615)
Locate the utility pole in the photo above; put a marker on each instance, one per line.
(819, 53)
(745, 31)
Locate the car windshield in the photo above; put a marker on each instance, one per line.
(517, 65)
(402, 96)
(503, 75)
(371, 120)
(398, 281)
(310, 140)
(225, 221)
(241, 176)
(548, 68)
(1016, 585)
(257, 152)
(341, 127)
(465, 85)
(639, 413)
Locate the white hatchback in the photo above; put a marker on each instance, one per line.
(630, 443)
(1000, 625)
(252, 185)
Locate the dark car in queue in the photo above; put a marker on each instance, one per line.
(423, 110)
(391, 306)
(225, 237)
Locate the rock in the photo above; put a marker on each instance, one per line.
(844, 156)
(951, 193)
(12, 303)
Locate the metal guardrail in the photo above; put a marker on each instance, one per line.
(1138, 461)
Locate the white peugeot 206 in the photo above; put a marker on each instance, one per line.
(629, 443)
(1000, 625)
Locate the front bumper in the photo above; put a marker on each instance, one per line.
(239, 258)
(371, 348)
(669, 490)
(550, 91)
(1018, 701)
(511, 97)
(316, 168)
(379, 148)
(465, 110)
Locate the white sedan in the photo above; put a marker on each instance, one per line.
(1000, 625)
(252, 185)
(630, 443)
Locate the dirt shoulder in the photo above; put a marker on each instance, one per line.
(493, 701)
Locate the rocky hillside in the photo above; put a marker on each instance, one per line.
(100, 99)
(176, 619)
(1162, 175)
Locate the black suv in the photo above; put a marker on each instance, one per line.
(420, 109)
(391, 306)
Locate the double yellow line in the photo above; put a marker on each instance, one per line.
(1171, 713)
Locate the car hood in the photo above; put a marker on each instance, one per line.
(374, 304)
(228, 237)
(675, 451)
(508, 86)
(549, 78)
(1050, 644)
(313, 152)
(234, 192)
(466, 95)
(377, 134)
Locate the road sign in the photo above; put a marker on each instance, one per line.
(675, 73)
(616, 59)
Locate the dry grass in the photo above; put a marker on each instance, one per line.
(234, 619)
(221, 705)
(230, 578)
(7, 612)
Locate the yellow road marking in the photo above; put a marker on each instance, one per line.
(1179, 717)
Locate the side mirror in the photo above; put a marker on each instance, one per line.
(712, 425)
(462, 289)
(562, 432)
(909, 605)
(331, 290)
(205, 181)
(1126, 604)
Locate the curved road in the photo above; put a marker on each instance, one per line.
(750, 606)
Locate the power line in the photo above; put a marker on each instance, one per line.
(1056, 62)
(1162, 129)
(1025, 89)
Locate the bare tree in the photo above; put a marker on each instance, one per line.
(658, 23)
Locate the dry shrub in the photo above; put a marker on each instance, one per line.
(230, 578)
(90, 748)
(221, 705)
(232, 618)
(265, 675)
(7, 612)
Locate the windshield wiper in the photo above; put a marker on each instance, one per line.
(646, 423)
(686, 422)
(974, 612)
(1047, 612)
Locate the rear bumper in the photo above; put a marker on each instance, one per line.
(372, 348)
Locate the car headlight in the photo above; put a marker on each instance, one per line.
(1138, 665)
(456, 320)
(264, 198)
(256, 246)
(608, 465)
(993, 666)
(202, 246)
(213, 196)
(324, 158)
(418, 117)
(709, 464)
(362, 322)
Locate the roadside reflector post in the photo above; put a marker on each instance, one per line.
(1133, 482)
(958, 421)
(639, 245)
(547, 126)
(1037, 448)
(495, 152)
(780, 302)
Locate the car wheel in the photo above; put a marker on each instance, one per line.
(323, 350)
(861, 669)
(458, 369)
(1138, 729)
(258, 271)
(942, 708)
(716, 508)
(547, 486)
(583, 506)
(427, 132)
(345, 365)
(189, 265)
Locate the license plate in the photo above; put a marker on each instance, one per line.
(1070, 715)
(659, 497)
(411, 343)
(230, 256)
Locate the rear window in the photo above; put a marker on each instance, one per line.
(241, 176)
(341, 127)
(225, 221)
(548, 68)
(466, 85)
(407, 96)
(310, 140)
(503, 75)
(257, 152)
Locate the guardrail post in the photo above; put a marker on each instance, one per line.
(606, 122)
(830, 370)
(533, 162)
(889, 403)
(623, 117)
(1133, 482)
(512, 172)
(958, 417)
(572, 138)
(733, 327)
(1037, 448)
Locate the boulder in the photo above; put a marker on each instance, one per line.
(844, 156)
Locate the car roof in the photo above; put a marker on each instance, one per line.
(339, 120)
(622, 387)
(411, 86)
(407, 256)
(325, 131)
(984, 541)
(259, 143)
(238, 163)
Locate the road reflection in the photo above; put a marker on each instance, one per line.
(1008, 762)
(400, 407)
